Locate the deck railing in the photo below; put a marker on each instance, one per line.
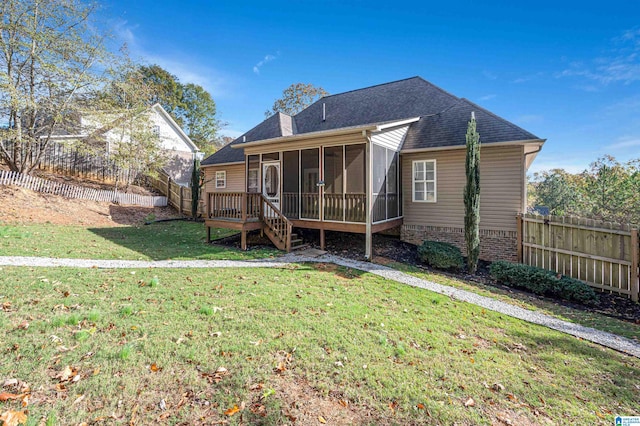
(234, 205)
(278, 224)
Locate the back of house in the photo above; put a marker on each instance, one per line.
(384, 157)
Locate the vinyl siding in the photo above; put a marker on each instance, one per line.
(391, 139)
(501, 188)
(235, 178)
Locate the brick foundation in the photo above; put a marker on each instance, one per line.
(494, 245)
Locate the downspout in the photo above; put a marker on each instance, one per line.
(524, 168)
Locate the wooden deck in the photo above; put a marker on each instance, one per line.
(246, 212)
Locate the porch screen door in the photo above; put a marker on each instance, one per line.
(271, 182)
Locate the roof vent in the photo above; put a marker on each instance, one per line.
(324, 112)
(244, 138)
(473, 115)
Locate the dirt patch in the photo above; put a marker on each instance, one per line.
(304, 405)
(22, 206)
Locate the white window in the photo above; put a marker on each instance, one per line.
(221, 179)
(424, 181)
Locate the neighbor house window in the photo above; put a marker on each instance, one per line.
(221, 179)
(424, 181)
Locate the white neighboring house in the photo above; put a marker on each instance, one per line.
(173, 140)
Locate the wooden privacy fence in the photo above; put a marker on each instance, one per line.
(178, 196)
(605, 255)
(70, 191)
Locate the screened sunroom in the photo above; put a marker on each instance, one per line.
(349, 183)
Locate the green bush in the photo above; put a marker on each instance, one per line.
(440, 255)
(542, 282)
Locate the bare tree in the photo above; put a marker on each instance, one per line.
(295, 98)
(50, 57)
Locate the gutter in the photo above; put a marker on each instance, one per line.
(310, 135)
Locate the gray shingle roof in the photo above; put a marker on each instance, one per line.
(269, 128)
(449, 127)
(443, 120)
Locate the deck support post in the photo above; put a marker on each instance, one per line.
(635, 259)
(208, 234)
(369, 199)
(322, 241)
(243, 240)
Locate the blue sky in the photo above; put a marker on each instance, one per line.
(567, 71)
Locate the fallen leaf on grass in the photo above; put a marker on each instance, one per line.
(79, 399)
(231, 411)
(256, 386)
(322, 420)
(420, 406)
(154, 368)
(23, 325)
(13, 418)
(4, 396)
(470, 402)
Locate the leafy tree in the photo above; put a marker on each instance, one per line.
(559, 191)
(472, 196)
(198, 113)
(189, 104)
(609, 190)
(125, 121)
(609, 187)
(49, 58)
(295, 98)
(165, 88)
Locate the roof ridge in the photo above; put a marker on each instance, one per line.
(515, 126)
(375, 85)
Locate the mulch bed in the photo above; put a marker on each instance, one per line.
(389, 248)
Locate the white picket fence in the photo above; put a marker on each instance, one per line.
(70, 191)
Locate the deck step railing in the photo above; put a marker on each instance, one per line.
(278, 227)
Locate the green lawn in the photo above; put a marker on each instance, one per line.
(157, 241)
(532, 302)
(392, 354)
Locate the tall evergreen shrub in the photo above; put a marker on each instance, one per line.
(472, 196)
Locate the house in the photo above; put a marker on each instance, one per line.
(372, 159)
(179, 148)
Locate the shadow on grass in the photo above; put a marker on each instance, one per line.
(174, 240)
(615, 378)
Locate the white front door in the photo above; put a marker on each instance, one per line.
(271, 182)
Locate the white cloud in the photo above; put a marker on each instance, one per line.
(267, 59)
(621, 65)
(489, 75)
(526, 78)
(624, 142)
(185, 67)
(488, 97)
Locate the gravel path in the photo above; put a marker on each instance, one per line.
(603, 338)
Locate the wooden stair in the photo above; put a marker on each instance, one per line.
(297, 243)
(276, 226)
